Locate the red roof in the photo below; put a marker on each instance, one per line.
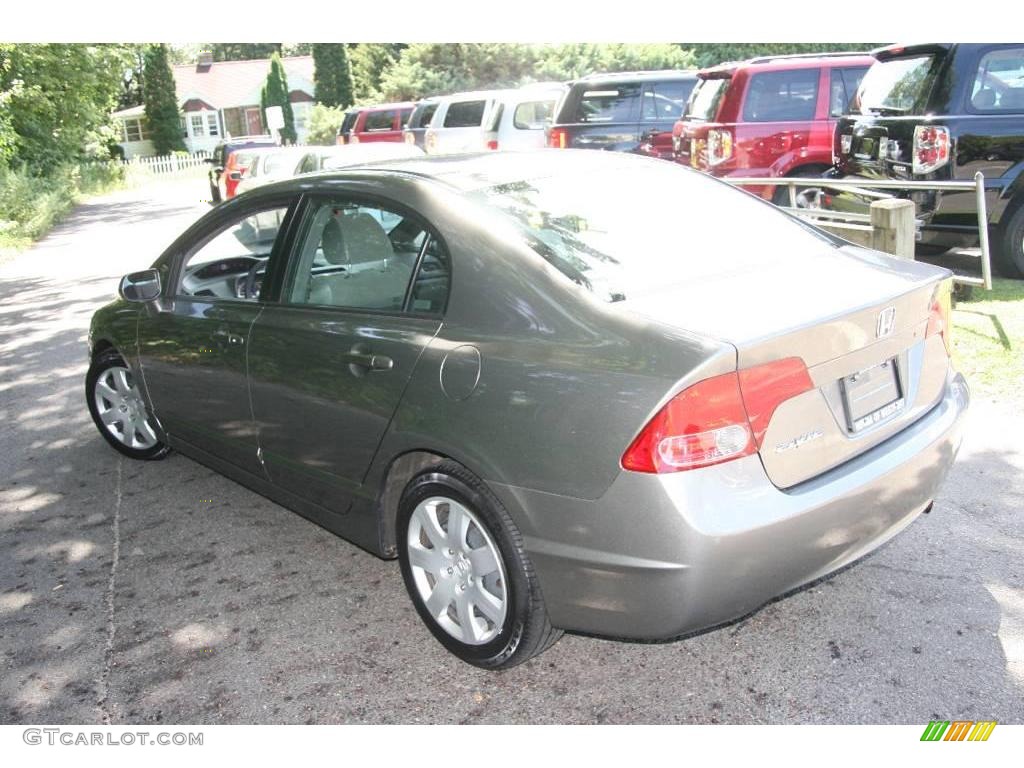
(226, 84)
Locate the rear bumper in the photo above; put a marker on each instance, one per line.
(661, 556)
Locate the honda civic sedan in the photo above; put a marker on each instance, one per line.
(568, 391)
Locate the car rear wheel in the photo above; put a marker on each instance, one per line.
(806, 197)
(118, 410)
(1011, 254)
(467, 572)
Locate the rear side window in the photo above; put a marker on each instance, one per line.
(999, 82)
(844, 82)
(380, 121)
(706, 98)
(465, 114)
(533, 115)
(609, 104)
(666, 101)
(782, 96)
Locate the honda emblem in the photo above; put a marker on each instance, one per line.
(886, 322)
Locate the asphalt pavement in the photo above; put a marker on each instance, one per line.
(161, 592)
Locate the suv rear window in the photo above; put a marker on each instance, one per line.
(666, 101)
(422, 115)
(613, 103)
(348, 122)
(781, 96)
(999, 83)
(533, 115)
(897, 85)
(465, 114)
(706, 97)
(381, 120)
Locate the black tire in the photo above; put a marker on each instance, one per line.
(526, 630)
(1011, 251)
(101, 363)
(781, 195)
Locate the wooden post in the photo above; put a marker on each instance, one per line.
(893, 227)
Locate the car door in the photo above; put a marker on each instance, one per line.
(193, 341)
(329, 361)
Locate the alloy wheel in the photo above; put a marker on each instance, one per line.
(121, 410)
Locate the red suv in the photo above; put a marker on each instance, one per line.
(769, 116)
(382, 122)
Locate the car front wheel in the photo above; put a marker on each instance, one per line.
(118, 410)
(467, 572)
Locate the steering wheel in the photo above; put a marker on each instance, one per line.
(249, 291)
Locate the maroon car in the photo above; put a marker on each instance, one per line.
(770, 116)
(381, 122)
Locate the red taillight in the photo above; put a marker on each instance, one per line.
(492, 144)
(931, 148)
(716, 420)
(558, 138)
(719, 146)
(938, 316)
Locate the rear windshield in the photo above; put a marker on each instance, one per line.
(465, 114)
(533, 115)
(609, 104)
(897, 85)
(665, 101)
(613, 231)
(381, 120)
(706, 97)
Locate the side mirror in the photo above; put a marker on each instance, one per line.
(140, 286)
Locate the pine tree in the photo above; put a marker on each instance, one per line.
(275, 94)
(161, 101)
(332, 74)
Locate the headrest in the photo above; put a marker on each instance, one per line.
(365, 239)
(332, 241)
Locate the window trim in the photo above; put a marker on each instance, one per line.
(302, 220)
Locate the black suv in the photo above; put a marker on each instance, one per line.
(621, 111)
(223, 152)
(944, 111)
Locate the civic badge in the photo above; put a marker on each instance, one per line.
(886, 322)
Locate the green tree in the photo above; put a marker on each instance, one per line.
(369, 62)
(332, 75)
(324, 123)
(275, 94)
(57, 99)
(161, 101)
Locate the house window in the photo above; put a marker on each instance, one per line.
(136, 129)
(197, 125)
(211, 124)
(184, 128)
(300, 112)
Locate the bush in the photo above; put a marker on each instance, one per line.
(31, 204)
(324, 123)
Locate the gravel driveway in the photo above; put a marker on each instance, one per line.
(163, 592)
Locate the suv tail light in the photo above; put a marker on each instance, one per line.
(492, 144)
(931, 148)
(938, 315)
(719, 146)
(410, 137)
(845, 143)
(716, 420)
(353, 139)
(558, 138)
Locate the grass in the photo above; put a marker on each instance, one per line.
(30, 205)
(988, 340)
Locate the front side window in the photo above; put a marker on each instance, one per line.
(363, 257)
(380, 121)
(231, 262)
(782, 96)
(999, 82)
(465, 114)
(609, 104)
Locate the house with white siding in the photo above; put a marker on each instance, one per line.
(221, 99)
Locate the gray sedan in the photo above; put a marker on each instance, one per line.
(567, 390)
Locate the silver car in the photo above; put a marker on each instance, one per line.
(569, 391)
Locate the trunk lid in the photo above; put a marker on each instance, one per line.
(856, 318)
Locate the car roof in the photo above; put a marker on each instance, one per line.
(639, 76)
(790, 61)
(390, 105)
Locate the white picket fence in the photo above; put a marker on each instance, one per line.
(168, 164)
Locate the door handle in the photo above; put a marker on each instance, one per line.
(370, 361)
(231, 338)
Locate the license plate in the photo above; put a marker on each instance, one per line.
(871, 395)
